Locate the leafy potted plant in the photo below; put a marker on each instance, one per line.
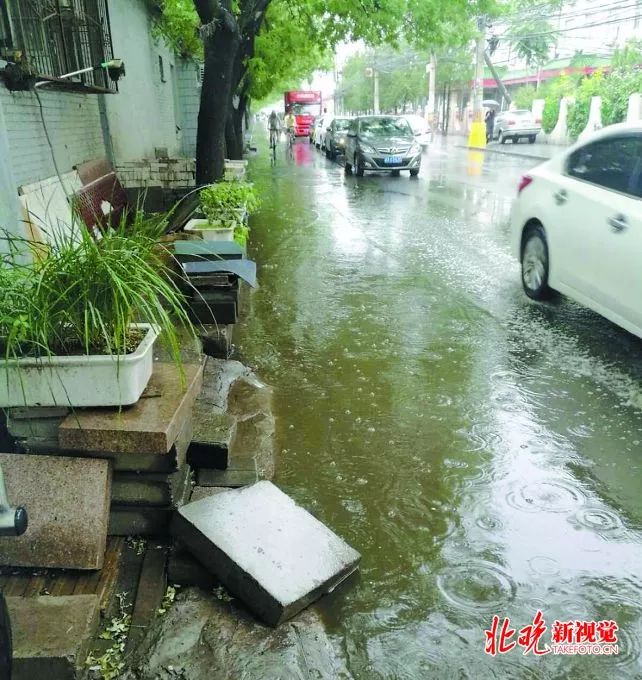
(225, 206)
(78, 323)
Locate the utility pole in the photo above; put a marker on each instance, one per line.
(431, 69)
(477, 135)
(375, 78)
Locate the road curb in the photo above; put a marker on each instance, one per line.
(504, 153)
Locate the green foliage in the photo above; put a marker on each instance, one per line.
(356, 89)
(110, 665)
(525, 96)
(80, 295)
(286, 52)
(530, 30)
(177, 24)
(579, 110)
(225, 202)
(614, 87)
(552, 92)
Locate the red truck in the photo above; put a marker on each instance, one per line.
(306, 106)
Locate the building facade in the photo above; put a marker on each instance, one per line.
(49, 125)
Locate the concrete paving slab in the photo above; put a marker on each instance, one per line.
(68, 504)
(264, 548)
(150, 426)
(51, 635)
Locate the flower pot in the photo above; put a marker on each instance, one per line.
(79, 381)
(210, 232)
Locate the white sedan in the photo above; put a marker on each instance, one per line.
(577, 225)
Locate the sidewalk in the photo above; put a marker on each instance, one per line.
(541, 152)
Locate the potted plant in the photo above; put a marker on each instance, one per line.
(226, 206)
(78, 323)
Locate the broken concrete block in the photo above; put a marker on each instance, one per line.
(51, 635)
(265, 549)
(152, 425)
(184, 569)
(67, 500)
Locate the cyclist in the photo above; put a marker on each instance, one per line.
(290, 124)
(273, 126)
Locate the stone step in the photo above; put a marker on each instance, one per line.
(51, 635)
(67, 501)
(265, 549)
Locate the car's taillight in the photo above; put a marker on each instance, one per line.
(511, 122)
(523, 183)
(538, 121)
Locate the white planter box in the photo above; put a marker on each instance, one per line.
(79, 381)
(209, 232)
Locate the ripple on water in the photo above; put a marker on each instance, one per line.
(600, 520)
(476, 586)
(544, 566)
(546, 496)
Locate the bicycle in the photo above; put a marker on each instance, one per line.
(13, 522)
(273, 141)
(290, 149)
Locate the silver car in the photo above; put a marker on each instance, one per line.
(381, 144)
(516, 125)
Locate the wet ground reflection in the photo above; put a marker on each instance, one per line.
(482, 452)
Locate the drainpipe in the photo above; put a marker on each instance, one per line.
(9, 203)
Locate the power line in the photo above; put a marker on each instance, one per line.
(619, 20)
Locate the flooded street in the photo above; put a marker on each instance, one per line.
(483, 452)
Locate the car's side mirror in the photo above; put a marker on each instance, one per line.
(352, 134)
(328, 129)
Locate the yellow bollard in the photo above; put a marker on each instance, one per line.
(477, 136)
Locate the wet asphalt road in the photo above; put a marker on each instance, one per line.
(483, 452)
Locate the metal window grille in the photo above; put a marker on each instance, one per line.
(61, 36)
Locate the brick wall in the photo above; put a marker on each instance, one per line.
(73, 122)
(170, 173)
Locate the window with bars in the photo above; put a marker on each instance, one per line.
(57, 37)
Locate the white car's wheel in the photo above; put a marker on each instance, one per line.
(535, 263)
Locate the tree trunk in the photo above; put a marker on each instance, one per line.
(221, 43)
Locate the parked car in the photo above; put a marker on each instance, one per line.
(318, 131)
(577, 225)
(421, 129)
(335, 137)
(516, 125)
(381, 144)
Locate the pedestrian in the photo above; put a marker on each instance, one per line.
(489, 119)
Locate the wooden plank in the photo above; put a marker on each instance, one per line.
(35, 585)
(151, 590)
(16, 585)
(103, 582)
(62, 582)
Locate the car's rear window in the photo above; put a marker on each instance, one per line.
(520, 114)
(342, 123)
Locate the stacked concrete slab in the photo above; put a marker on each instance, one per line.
(147, 444)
